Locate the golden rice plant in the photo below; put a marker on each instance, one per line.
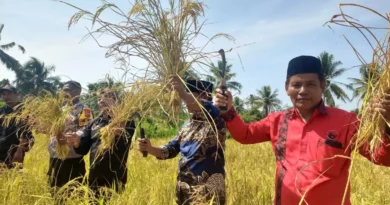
(371, 128)
(46, 115)
(162, 36)
(139, 99)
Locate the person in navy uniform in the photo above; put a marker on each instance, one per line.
(109, 169)
(201, 142)
(72, 168)
(15, 138)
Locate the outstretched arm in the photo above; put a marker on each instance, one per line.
(167, 151)
(381, 155)
(81, 140)
(242, 132)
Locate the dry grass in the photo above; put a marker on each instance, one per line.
(378, 84)
(371, 130)
(250, 179)
(161, 34)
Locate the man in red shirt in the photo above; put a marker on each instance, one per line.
(307, 138)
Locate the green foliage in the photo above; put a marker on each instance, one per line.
(368, 75)
(4, 82)
(238, 104)
(158, 127)
(35, 77)
(9, 62)
(91, 97)
(252, 115)
(216, 71)
(154, 129)
(331, 71)
(268, 100)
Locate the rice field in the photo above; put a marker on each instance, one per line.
(250, 179)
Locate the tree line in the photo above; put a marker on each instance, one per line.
(34, 76)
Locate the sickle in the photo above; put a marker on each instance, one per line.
(142, 131)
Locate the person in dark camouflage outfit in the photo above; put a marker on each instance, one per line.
(201, 142)
(15, 137)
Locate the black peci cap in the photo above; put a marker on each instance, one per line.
(304, 64)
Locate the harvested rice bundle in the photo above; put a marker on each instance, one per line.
(371, 130)
(45, 115)
(162, 37)
(139, 99)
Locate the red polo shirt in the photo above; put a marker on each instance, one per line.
(304, 152)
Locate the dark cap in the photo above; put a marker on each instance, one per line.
(199, 86)
(73, 84)
(305, 64)
(8, 87)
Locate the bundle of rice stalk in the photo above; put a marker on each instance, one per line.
(162, 37)
(378, 82)
(44, 115)
(139, 99)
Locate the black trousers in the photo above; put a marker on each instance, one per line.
(98, 183)
(62, 171)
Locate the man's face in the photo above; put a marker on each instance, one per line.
(70, 91)
(199, 96)
(9, 97)
(305, 90)
(105, 101)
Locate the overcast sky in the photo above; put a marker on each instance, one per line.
(280, 30)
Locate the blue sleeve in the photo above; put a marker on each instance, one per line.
(171, 149)
(211, 108)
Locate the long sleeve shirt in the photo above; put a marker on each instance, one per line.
(201, 142)
(306, 153)
(78, 118)
(111, 165)
(11, 135)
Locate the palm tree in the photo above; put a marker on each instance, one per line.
(91, 97)
(360, 85)
(35, 76)
(9, 62)
(190, 74)
(268, 100)
(216, 72)
(252, 101)
(331, 71)
(238, 104)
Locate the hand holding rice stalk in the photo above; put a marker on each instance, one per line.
(139, 99)
(163, 38)
(46, 115)
(373, 122)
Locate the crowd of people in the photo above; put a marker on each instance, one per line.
(310, 132)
